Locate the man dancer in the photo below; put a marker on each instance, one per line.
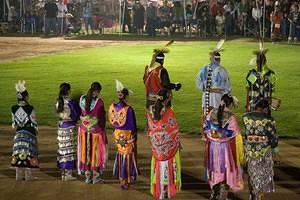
(213, 81)
(261, 81)
(162, 128)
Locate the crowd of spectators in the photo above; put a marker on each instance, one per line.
(200, 18)
(211, 18)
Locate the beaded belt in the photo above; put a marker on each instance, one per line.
(257, 139)
(154, 97)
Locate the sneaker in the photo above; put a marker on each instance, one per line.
(223, 192)
(125, 187)
(68, 176)
(97, 177)
(28, 176)
(63, 172)
(88, 177)
(88, 180)
(20, 175)
(98, 180)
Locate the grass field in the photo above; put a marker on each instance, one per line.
(126, 62)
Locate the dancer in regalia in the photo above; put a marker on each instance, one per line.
(261, 143)
(223, 150)
(260, 82)
(213, 81)
(122, 118)
(92, 140)
(25, 149)
(163, 129)
(68, 112)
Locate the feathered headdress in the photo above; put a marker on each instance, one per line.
(218, 48)
(235, 100)
(20, 87)
(120, 87)
(261, 51)
(163, 49)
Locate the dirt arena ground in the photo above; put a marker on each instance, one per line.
(14, 48)
(48, 185)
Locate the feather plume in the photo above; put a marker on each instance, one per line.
(252, 61)
(130, 92)
(262, 49)
(163, 49)
(220, 45)
(261, 46)
(169, 43)
(152, 60)
(218, 48)
(20, 86)
(119, 85)
(235, 101)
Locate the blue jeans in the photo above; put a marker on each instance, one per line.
(292, 30)
(50, 25)
(61, 25)
(88, 21)
(284, 28)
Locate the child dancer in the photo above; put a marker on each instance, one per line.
(25, 149)
(122, 118)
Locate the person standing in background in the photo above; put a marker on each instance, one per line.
(151, 15)
(165, 17)
(276, 21)
(61, 17)
(126, 17)
(293, 18)
(138, 17)
(50, 17)
(88, 17)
